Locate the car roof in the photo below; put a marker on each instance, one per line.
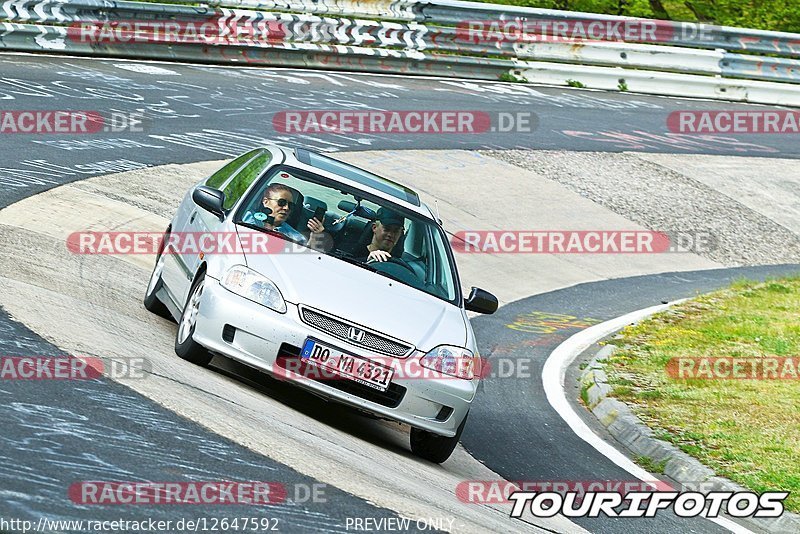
(357, 177)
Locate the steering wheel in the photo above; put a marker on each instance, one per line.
(399, 261)
(398, 269)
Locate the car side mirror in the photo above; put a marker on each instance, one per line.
(210, 200)
(481, 301)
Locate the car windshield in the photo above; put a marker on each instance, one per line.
(356, 223)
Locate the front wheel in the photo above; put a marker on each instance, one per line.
(185, 345)
(433, 447)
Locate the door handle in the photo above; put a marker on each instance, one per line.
(191, 219)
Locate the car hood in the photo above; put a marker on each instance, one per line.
(362, 297)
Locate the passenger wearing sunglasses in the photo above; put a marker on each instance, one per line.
(280, 201)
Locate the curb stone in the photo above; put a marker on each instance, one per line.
(638, 438)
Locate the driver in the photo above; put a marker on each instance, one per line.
(386, 232)
(279, 201)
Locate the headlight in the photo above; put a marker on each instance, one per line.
(249, 284)
(453, 361)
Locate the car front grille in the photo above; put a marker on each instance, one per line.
(339, 328)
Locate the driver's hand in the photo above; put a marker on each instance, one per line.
(379, 255)
(315, 226)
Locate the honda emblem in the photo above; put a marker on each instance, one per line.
(354, 334)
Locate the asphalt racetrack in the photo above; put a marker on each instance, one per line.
(231, 423)
(198, 113)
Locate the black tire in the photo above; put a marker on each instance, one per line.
(433, 447)
(185, 346)
(151, 301)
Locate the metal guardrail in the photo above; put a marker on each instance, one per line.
(382, 9)
(455, 12)
(667, 32)
(52, 39)
(484, 41)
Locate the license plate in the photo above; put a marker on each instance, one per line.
(351, 367)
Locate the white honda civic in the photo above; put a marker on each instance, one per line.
(332, 277)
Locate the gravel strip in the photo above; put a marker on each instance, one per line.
(664, 200)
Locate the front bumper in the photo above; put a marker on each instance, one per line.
(255, 335)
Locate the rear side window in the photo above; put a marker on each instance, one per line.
(245, 178)
(221, 176)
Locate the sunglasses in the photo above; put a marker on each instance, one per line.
(283, 202)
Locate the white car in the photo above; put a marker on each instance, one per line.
(388, 337)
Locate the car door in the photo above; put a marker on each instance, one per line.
(202, 221)
(180, 262)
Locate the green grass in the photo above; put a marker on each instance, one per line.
(509, 77)
(652, 467)
(747, 430)
(585, 394)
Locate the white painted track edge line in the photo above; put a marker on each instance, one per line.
(553, 379)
